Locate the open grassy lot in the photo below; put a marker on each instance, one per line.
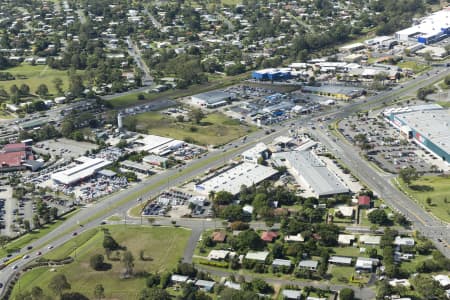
(33, 76)
(436, 188)
(163, 246)
(214, 129)
(414, 66)
(340, 274)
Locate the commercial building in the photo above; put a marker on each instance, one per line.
(85, 169)
(212, 99)
(431, 29)
(313, 173)
(272, 74)
(252, 155)
(427, 125)
(335, 92)
(15, 157)
(158, 145)
(231, 180)
(156, 160)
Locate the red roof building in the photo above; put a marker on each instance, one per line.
(219, 236)
(269, 236)
(15, 147)
(364, 201)
(16, 157)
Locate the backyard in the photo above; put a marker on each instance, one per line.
(162, 246)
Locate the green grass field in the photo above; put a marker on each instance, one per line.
(414, 66)
(164, 245)
(436, 188)
(215, 128)
(33, 76)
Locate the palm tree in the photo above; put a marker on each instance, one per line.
(211, 195)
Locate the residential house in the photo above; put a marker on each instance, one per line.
(178, 279)
(219, 236)
(443, 280)
(346, 239)
(294, 238)
(232, 285)
(281, 264)
(400, 282)
(205, 285)
(364, 201)
(346, 211)
(291, 294)
(370, 240)
(218, 255)
(403, 241)
(269, 236)
(365, 264)
(340, 260)
(259, 256)
(308, 265)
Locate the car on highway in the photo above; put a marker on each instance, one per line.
(74, 233)
(38, 253)
(26, 256)
(15, 267)
(50, 247)
(29, 247)
(1, 285)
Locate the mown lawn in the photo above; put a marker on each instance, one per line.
(214, 129)
(163, 247)
(437, 188)
(414, 66)
(33, 76)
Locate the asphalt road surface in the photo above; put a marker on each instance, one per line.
(91, 217)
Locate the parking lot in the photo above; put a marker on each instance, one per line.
(64, 148)
(388, 149)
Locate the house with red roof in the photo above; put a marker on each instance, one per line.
(269, 236)
(364, 201)
(219, 236)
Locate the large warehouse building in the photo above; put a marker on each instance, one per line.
(313, 173)
(428, 125)
(85, 169)
(272, 74)
(232, 179)
(431, 29)
(212, 99)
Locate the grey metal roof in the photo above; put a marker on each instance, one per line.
(213, 96)
(281, 262)
(315, 172)
(308, 263)
(431, 124)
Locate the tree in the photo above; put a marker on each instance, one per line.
(24, 89)
(58, 84)
(36, 221)
(54, 212)
(408, 175)
(96, 262)
(99, 291)
(154, 294)
(76, 85)
(67, 128)
(346, 294)
(427, 287)
(248, 239)
(223, 198)
(197, 115)
(260, 286)
(42, 90)
(109, 242)
(27, 225)
(58, 284)
(37, 292)
(73, 296)
(378, 216)
(127, 260)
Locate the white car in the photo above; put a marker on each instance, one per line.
(50, 247)
(26, 256)
(15, 267)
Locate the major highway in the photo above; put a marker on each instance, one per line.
(121, 202)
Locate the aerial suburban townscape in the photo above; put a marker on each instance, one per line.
(228, 149)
